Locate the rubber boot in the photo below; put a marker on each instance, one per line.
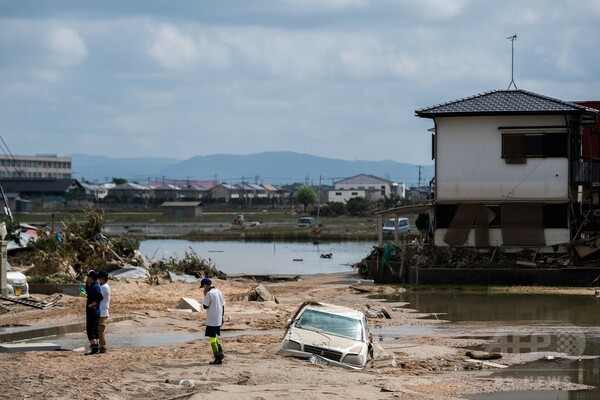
(95, 350)
(218, 360)
(102, 349)
(220, 352)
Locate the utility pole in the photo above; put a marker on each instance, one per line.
(319, 202)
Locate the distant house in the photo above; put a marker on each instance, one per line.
(272, 192)
(508, 169)
(185, 189)
(95, 191)
(42, 192)
(224, 192)
(366, 186)
(417, 194)
(182, 209)
(131, 192)
(166, 192)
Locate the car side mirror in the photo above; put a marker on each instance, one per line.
(289, 322)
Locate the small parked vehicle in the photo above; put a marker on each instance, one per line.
(16, 284)
(306, 222)
(403, 226)
(334, 334)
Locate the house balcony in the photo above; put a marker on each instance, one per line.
(585, 173)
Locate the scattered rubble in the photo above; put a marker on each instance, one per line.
(66, 254)
(258, 293)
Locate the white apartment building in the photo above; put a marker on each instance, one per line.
(38, 166)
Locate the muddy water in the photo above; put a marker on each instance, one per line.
(526, 323)
(275, 258)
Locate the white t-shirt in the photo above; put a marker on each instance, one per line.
(105, 303)
(215, 303)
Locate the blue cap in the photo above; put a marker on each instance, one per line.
(205, 281)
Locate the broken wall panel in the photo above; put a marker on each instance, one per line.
(461, 224)
(483, 219)
(523, 225)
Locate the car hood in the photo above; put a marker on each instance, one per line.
(15, 276)
(326, 340)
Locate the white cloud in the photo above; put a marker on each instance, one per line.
(175, 50)
(437, 9)
(326, 5)
(66, 46)
(172, 49)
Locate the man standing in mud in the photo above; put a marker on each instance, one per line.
(92, 310)
(104, 306)
(214, 304)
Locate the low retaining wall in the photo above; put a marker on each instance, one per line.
(33, 332)
(581, 277)
(71, 289)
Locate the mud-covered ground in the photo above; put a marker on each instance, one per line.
(432, 366)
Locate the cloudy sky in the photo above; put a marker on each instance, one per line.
(332, 78)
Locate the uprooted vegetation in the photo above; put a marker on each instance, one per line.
(190, 264)
(66, 254)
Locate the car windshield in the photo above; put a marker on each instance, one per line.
(330, 323)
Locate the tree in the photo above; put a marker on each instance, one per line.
(358, 206)
(306, 196)
(119, 181)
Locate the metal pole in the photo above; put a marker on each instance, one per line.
(3, 275)
(319, 202)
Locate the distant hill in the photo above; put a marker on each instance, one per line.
(102, 169)
(270, 167)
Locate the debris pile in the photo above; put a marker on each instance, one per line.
(66, 254)
(465, 257)
(191, 264)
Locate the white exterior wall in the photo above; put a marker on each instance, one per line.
(364, 187)
(469, 163)
(344, 195)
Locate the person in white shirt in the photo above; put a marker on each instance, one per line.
(214, 304)
(104, 306)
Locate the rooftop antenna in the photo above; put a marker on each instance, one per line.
(512, 66)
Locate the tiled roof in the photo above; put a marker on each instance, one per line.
(38, 185)
(504, 102)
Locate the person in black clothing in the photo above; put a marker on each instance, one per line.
(92, 310)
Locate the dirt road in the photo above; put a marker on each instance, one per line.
(419, 367)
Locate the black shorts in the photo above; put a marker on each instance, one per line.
(92, 321)
(212, 331)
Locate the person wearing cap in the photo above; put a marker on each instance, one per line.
(214, 304)
(92, 310)
(104, 306)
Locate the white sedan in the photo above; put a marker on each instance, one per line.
(333, 334)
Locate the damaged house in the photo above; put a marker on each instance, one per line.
(510, 171)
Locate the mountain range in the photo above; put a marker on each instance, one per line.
(276, 167)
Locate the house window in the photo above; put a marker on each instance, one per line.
(517, 147)
(338, 193)
(354, 193)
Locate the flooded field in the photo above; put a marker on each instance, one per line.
(276, 258)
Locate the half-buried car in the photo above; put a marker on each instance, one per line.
(328, 334)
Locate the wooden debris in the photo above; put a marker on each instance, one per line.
(486, 363)
(483, 355)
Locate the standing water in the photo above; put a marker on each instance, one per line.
(260, 258)
(526, 323)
